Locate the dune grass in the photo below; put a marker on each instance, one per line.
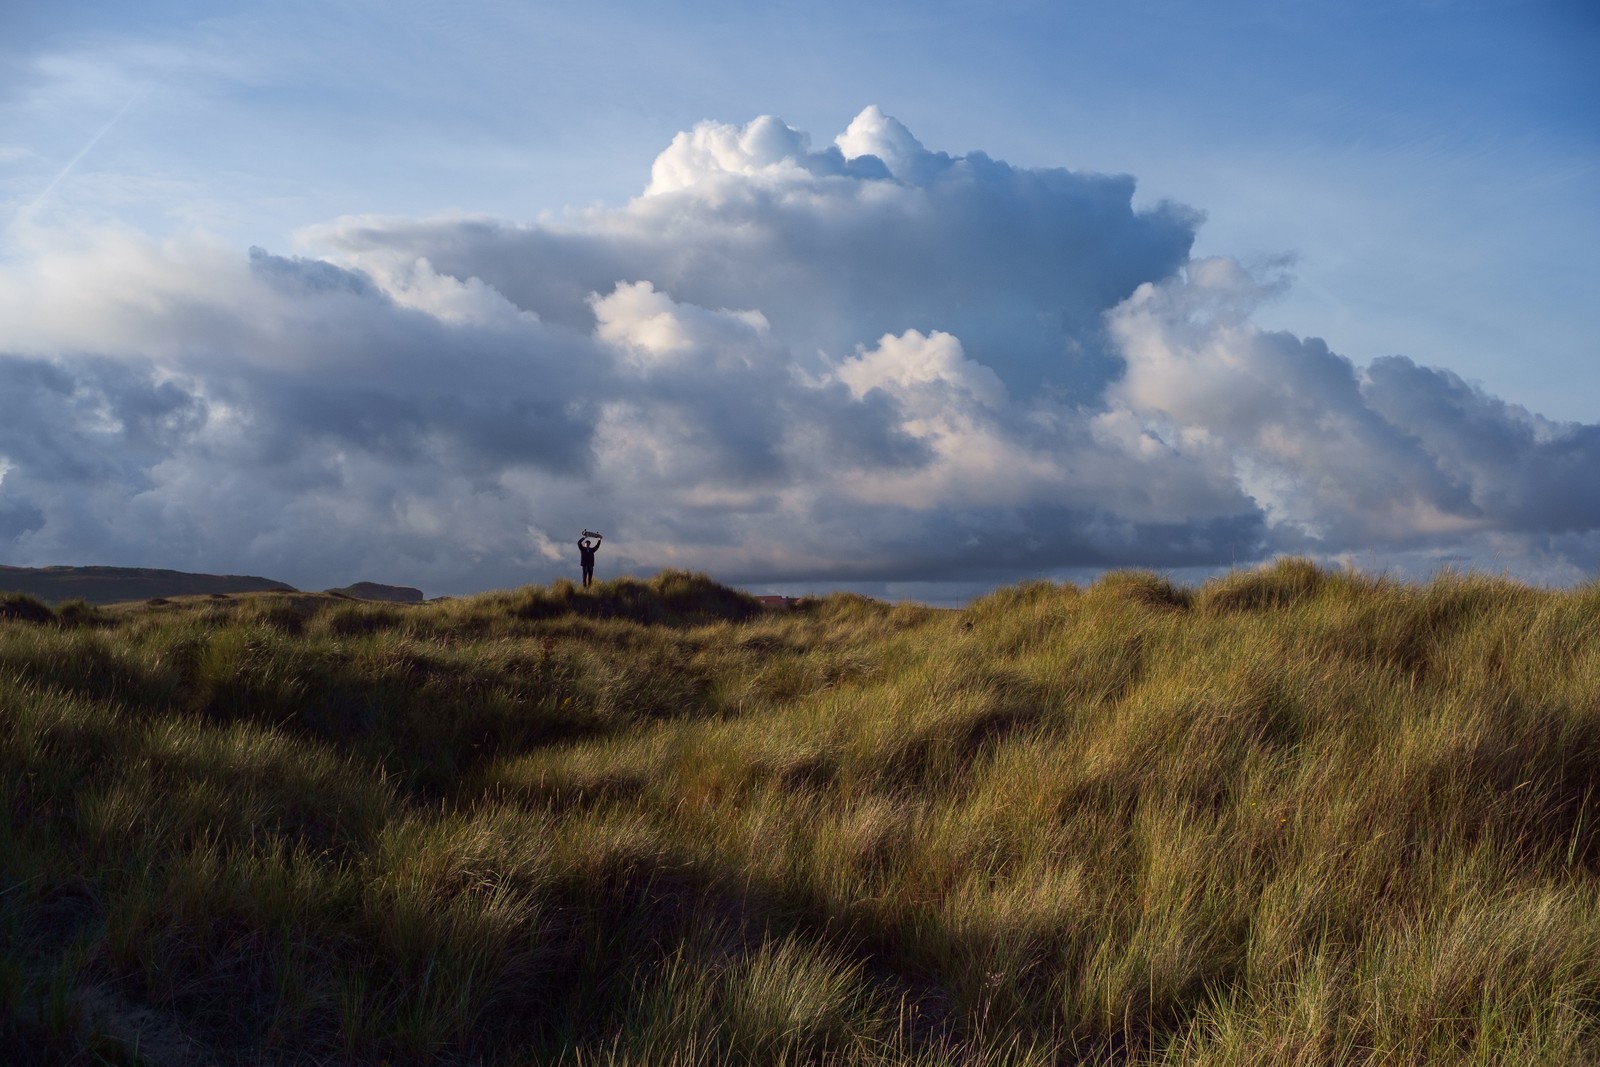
(1291, 816)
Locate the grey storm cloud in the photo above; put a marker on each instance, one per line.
(1514, 469)
(864, 362)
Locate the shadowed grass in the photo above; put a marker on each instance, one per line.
(25, 608)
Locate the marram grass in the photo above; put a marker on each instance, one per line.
(1289, 817)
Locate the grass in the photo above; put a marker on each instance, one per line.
(1290, 816)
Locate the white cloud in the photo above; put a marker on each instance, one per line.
(872, 133)
(869, 362)
(909, 365)
(1342, 458)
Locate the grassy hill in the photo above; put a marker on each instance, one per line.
(1288, 817)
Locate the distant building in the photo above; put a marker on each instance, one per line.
(778, 602)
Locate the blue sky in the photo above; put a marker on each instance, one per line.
(1414, 179)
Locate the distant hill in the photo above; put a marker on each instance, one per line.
(108, 585)
(400, 594)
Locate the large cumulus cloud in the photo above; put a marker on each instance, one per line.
(837, 247)
(865, 362)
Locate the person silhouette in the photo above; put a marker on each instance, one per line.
(586, 554)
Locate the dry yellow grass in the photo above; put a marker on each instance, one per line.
(1292, 816)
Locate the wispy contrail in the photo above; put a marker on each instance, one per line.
(75, 160)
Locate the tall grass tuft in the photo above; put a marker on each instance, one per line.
(25, 607)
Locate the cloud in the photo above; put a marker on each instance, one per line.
(1342, 458)
(834, 248)
(868, 362)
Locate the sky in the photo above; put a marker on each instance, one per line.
(910, 298)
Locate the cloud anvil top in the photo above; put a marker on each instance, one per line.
(864, 361)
